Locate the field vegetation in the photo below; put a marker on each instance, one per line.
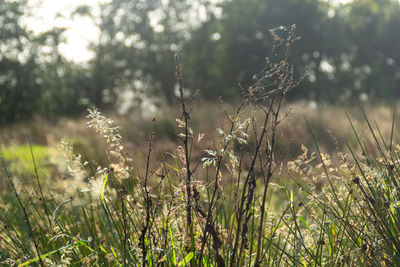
(257, 183)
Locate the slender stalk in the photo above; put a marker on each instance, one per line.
(185, 140)
(267, 179)
(146, 228)
(212, 202)
(250, 176)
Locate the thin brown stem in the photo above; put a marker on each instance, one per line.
(146, 228)
(185, 140)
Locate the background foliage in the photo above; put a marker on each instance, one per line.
(349, 50)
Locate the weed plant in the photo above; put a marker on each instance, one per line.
(226, 209)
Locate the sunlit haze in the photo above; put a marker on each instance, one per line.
(47, 14)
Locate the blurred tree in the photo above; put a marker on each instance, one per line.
(19, 91)
(34, 77)
(136, 47)
(349, 50)
(63, 85)
(375, 39)
(243, 41)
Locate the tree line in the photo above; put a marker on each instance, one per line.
(350, 51)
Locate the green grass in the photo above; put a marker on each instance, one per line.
(19, 159)
(327, 213)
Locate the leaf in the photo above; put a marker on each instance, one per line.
(172, 242)
(175, 169)
(187, 259)
(103, 249)
(76, 244)
(304, 262)
(304, 221)
(104, 187)
(206, 261)
(116, 257)
(291, 199)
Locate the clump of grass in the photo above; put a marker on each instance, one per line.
(348, 212)
(226, 208)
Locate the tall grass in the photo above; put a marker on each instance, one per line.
(226, 209)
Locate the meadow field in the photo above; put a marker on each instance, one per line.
(112, 190)
(260, 182)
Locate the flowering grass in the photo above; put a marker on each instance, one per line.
(229, 206)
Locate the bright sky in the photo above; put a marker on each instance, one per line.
(47, 14)
(80, 31)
